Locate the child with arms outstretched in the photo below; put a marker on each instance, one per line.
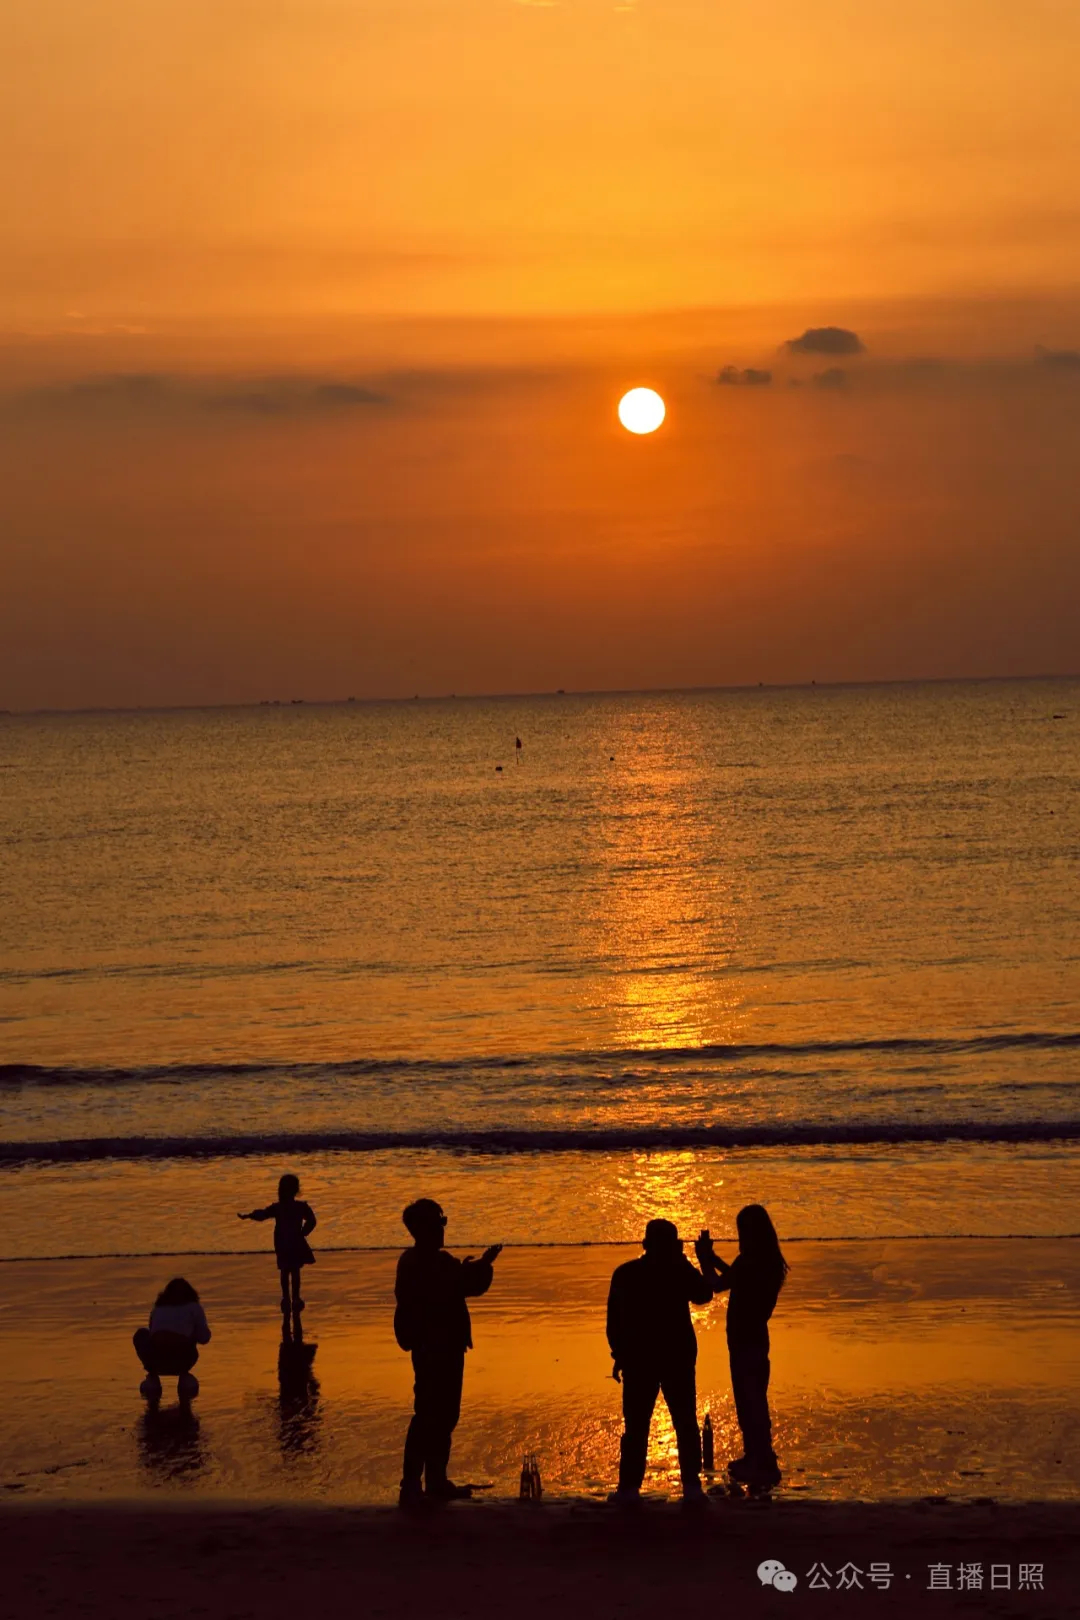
(293, 1221)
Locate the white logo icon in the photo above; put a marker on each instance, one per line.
(772, 1573)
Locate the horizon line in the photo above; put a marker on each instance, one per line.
(546, 692)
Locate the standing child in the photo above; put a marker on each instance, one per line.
(293, 1221)
(755, 1279)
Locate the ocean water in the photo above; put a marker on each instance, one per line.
(820, 946)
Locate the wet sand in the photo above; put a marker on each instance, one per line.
(901, 1370)
(226, 1562)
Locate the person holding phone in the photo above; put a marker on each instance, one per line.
(752, 1282)
(432, 1322)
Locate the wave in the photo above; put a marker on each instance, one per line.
(22, 1074)
(503, 1141)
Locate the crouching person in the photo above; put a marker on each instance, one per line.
(169, 1347)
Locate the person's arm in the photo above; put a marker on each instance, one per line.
(309, 1222)
(259, 1214)
(699, 1286)
(401, 1279)
(477, 1276)
(615, 1325)
(202, 1326)
(405, 1309)
(719, 1275)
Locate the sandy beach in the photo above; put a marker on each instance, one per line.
(926, 1397)
(901, 1370)
(236, 1562)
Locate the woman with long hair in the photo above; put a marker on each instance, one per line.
(753, 1281)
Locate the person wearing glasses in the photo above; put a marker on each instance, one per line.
(432, 1322)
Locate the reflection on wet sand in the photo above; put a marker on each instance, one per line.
(298, 1394)
(170, 1448)
(899, 1369)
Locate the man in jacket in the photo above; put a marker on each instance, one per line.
(432, 1321)
(654, 1348)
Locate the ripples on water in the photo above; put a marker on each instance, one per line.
(808, 916)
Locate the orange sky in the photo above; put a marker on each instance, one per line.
(390, 265)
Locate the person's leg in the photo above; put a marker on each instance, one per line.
(740, 1392)
(187, 1385)
(416, 1442)
(679, 1385)
(150, 1387)
(297, 1302)
(750, 1383)
(449, 1375)
(286, 1302)
(168, 1353)
(639, 1392)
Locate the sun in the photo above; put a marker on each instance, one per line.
(641, 410)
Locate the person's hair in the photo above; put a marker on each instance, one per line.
(661, 1235)
(177, 1292)
(759, 1243)
(288, 1187)
(420, 1214)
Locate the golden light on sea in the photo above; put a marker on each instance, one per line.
(641, 410)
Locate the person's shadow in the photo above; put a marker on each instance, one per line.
(298, 1393)
(169, 1445)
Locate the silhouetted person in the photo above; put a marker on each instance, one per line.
(432, 1322)
(654, 1347)
(293, 1222)
(169, 1347)
(754, 1279)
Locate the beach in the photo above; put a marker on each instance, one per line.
(901, 1370)
(927, 1405)
(236, 1562)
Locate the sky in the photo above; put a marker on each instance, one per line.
(314, 315)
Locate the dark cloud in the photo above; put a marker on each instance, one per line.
(732, 377)
(835, 377)
(134, 388)
(1058, 359)
(278, 396)
(826, 340)
(155, 393)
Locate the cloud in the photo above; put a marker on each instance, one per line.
(1057, 359)
(732, 377)
(156, 393)
(826, 340)
(275, 396)
(835, 377)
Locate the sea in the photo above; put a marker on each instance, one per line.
(563, 962)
